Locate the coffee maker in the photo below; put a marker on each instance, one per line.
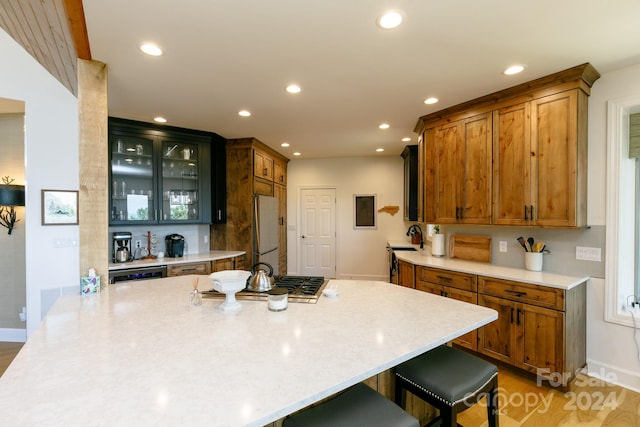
(174, 245)
(121, 246)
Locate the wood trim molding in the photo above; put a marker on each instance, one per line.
(78, 28)
(581, 76)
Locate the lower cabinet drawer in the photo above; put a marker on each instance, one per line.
(464, 281)
(190, 268)
(541, 296)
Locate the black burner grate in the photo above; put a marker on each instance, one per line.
(300, 289)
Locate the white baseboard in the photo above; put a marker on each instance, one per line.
(13, 335)
(615, 375)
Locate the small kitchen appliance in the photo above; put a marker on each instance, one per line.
(261, 280)
(174, 245)
(121, 246)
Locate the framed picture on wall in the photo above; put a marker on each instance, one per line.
(59, 207)
(364, 210)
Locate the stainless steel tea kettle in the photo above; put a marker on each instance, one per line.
(260, 280)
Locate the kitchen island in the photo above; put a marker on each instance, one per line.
(138, 353)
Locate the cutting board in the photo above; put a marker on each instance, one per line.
(471, 248)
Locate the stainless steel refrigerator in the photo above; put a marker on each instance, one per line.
(265, 225)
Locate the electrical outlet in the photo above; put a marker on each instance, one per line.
(503, 246)
(206, 238)
(138, 243)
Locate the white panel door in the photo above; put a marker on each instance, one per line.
(318, 232)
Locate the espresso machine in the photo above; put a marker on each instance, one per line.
(121, 246)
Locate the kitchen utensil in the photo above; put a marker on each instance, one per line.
(522, 243)
(530, 241)
(261, 280)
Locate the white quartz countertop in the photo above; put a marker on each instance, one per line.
(424, 258)
(152, 262)
(139, 354)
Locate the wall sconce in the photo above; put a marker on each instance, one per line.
(10, 196)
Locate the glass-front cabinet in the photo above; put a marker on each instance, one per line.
(157, 175)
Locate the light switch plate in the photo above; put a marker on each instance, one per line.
(586, 253)
(503, 246)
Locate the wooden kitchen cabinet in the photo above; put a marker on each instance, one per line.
(246, 161)
(462, 169)
(201, 267)
(534, 171)
(459, 286)
(280, 193)
(410, 199)
(540, 162)
(539, 329)
(233, 263)
(406, 274)
(262, 165)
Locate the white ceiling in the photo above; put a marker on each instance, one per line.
(225, 55)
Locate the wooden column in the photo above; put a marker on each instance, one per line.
(93, 158)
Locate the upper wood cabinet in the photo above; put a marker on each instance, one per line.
(461, 181)
(514, 157)
(539, 160)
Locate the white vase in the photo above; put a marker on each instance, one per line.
(437, 245)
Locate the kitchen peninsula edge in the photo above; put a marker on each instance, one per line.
(139, 351)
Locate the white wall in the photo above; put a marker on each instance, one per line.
(51, 162)
(12, 246)
(359, 253)
(610, 347)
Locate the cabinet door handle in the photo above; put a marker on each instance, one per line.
(518, 317)
(531, 212)
(445, 278)
(186, 270)
(264, 171)
(219, 215)
(511, 314)
(525, 213)
(457, 212)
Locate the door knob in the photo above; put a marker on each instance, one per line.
(303, 237)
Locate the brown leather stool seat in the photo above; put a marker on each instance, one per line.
(451, 380)
(358, 406)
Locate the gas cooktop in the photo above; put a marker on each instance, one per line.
(301, 289)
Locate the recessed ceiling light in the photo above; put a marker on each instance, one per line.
(390, 19)
(384, 126)
(284, 144)
(431, 100)
(406, 139)
(151, 49)
(244, 113)
(379, 150)
(293, 88)
(514, 69)
(160, 119)
(296, 154)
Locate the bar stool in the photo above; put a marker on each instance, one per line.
(451, 380)
(358, 406)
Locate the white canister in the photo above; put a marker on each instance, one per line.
(533, 261)
(437, 245)
(278, 299)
